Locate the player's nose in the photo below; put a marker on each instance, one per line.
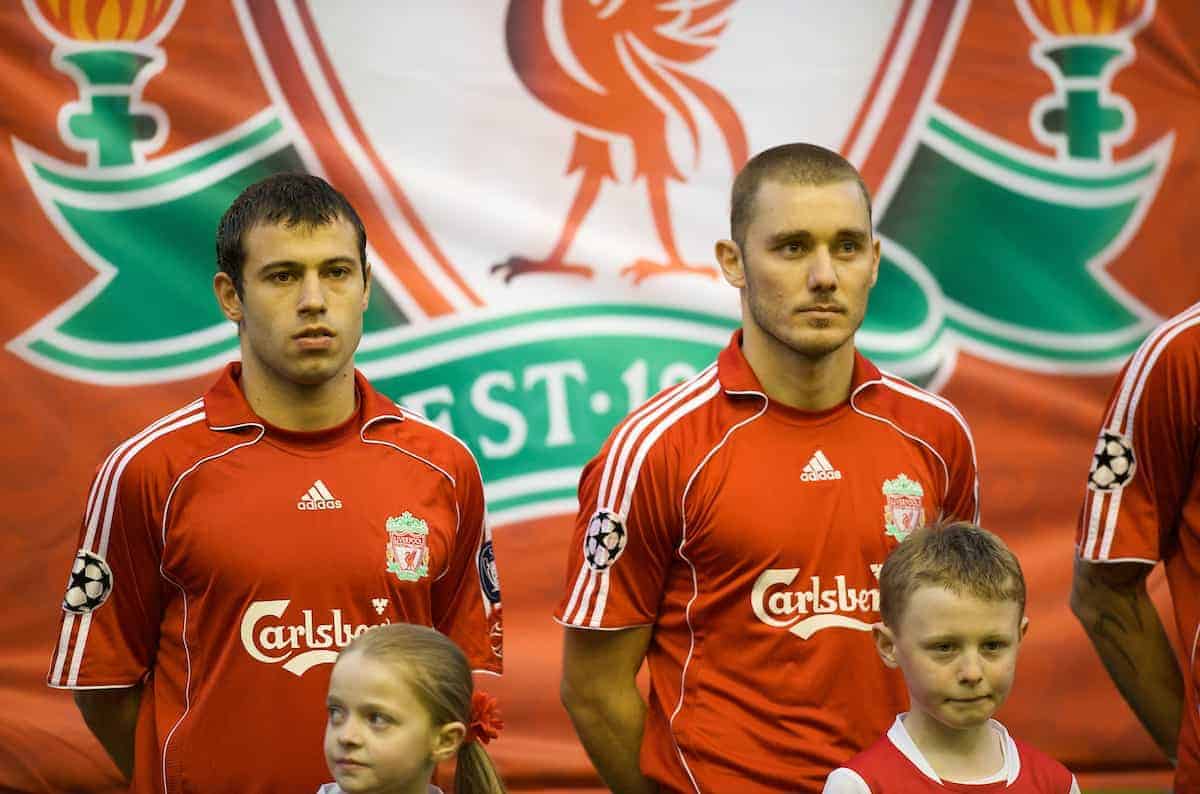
(822, 277)
(312, 292)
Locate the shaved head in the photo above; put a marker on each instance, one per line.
(792, 163)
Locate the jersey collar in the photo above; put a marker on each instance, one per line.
(736, 376)
(226, 406)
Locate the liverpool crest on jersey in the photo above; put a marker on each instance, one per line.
(903, 508)
(408, 547)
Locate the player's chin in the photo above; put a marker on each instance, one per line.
(817, 342)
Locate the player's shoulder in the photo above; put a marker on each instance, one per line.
(913, 409)
(1171, 351)
(419, 436)
(171, 442)
(687, 417)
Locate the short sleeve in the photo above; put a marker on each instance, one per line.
(962, 488)
(845, 781)
(1142, 464)
(112, 604)
(466, 599)
(626, 533)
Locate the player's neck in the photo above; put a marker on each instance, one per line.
(296, 406)
(959, 755)
(796, 380)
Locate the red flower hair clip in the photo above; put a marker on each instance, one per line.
(485, 719)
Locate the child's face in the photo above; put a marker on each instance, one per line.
(379, 737)
(958, 654)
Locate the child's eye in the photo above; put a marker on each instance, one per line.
(379, 720)
(336, 714)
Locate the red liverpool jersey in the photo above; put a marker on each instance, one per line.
(224, 563)
(1143, 494)
(750, 535)
(895, 765)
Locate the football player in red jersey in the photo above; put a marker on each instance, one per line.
(731, 529)
(235, 545)
(1142, 507)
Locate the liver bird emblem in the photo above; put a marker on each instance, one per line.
(616, 70)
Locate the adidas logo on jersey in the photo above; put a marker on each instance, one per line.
(819, 468)
(319, 498)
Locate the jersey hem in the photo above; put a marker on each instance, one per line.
(81, 687)
(565, 624)
(1142, 560)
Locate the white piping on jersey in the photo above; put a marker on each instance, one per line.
(643, 447)
(1134, 374)
(408, 413)
(104, 491)
(1120, 421)
(907, 389)
(106, 474)
(453, 483)
(635, 425)
(162, 571)
(687, 612)
(637, 420)
(1195, 641)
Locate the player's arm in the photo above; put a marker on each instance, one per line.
(1111, 601)
(466, 599)
(115, 585)
(599, 691)
(111, 715)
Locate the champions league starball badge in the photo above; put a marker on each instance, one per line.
(604, 541)
(1112, 462)
(90, 585)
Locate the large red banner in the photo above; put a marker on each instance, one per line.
(542, 181)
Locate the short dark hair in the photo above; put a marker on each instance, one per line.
(961, 557)
(799, 163)
(288, 199)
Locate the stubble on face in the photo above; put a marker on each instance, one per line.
(809, 262)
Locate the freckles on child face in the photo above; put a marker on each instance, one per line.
(958, 654)
(379, 737)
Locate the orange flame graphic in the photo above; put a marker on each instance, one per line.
(1086, 17)
(104, 20)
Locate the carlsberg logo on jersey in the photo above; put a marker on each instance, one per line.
(299, 642)
(530, 296)
(812, 605)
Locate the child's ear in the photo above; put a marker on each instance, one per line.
(447, 740)
(885, 643)
(1024, 626)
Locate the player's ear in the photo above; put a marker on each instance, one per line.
(366, 285)
(447, 740)
(729, 257)
(875, 251)
(885, 643)
(227, 297)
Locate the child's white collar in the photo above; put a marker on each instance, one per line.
(1008, 771)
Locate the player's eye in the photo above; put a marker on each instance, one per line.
(280, 277)
(338, 272)
(848, 246)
